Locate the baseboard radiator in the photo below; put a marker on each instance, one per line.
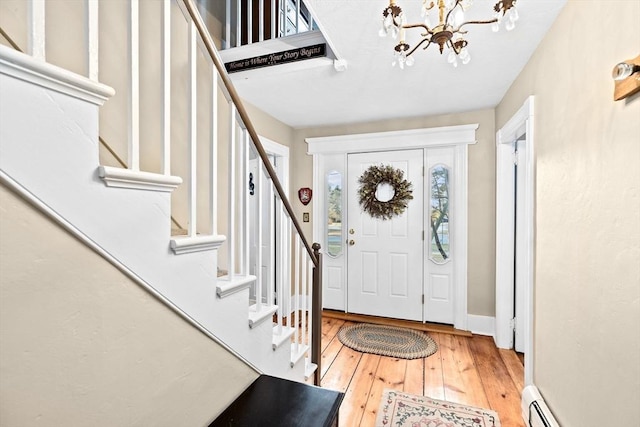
(535, 411)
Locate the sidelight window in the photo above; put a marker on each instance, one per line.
(439, 214)
(334, 213)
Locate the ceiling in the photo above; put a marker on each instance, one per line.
(371, 89)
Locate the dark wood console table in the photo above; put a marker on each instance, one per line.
(271, 401)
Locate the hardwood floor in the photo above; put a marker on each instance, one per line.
(466, 370)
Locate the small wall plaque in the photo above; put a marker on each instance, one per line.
(304, 194)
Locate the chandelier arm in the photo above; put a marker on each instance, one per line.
(409, 26)
(489, 21)
(452, 46)
(451, 10)
(418, 45)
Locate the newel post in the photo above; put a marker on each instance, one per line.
(316, 323)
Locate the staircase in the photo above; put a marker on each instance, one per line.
(152, 170)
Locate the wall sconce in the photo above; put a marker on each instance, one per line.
(626, 77)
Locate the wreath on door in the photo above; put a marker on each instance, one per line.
(373, 181)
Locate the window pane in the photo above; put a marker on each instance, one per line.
(334, 213)
(439, 214)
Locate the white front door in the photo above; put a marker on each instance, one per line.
(385, 256)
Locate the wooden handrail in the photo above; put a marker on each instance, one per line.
(213, 52)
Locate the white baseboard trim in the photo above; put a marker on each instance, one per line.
(482, 325)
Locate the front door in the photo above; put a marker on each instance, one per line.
(385, 256)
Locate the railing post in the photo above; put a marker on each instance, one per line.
(316, 322)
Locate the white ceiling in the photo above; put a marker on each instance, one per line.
(371, 89)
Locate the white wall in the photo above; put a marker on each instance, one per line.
(587, 255)
(82, 345)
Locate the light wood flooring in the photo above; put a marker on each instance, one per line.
(466, 369)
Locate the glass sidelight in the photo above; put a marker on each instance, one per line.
(439, 214)
(334, 213)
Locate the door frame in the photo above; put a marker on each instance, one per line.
(521, 123)
(280, 153)
(328, 152)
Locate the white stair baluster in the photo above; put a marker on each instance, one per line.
(271, 288)
(303, 296)
(238, 23)
(260, 20)
(274, 19)
(36, 42)
(134, 86)
(279, 260)
(286, 261)
(193, 142)
(246, 246)
(249, 21)
(214, 153)
(258, 180)
(232, 192)
(166, 87)
(298, 11)
(296, 260)
(227, 25)
(92, 28)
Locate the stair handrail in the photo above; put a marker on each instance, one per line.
(313, 251)
(233, 94)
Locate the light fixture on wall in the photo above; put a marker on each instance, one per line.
(446, 29)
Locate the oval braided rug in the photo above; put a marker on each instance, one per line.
(387, 341)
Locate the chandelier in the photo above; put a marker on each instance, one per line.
(445, 30)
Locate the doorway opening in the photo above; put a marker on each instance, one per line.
(514, 235)
(262, 205)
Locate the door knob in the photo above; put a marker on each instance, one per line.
(351, 231)
(352, 242)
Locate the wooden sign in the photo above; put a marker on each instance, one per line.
(293, 55)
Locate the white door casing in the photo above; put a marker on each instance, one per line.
(330, 153)
(385, 261)
(520, 242)
(279, 156)
(522, 123)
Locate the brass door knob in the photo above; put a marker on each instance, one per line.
(352, 242)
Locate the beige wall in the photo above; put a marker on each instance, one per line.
(587, 275)
(82, 345)
(481, 269)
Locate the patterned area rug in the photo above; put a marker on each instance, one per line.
(387, 341)
(406, 410)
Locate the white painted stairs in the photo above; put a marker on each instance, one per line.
(49, 154)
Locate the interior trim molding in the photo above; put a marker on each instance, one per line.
(29, 69)
(394, 140)
(139, 180)
(187, 245)
(482, 325)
